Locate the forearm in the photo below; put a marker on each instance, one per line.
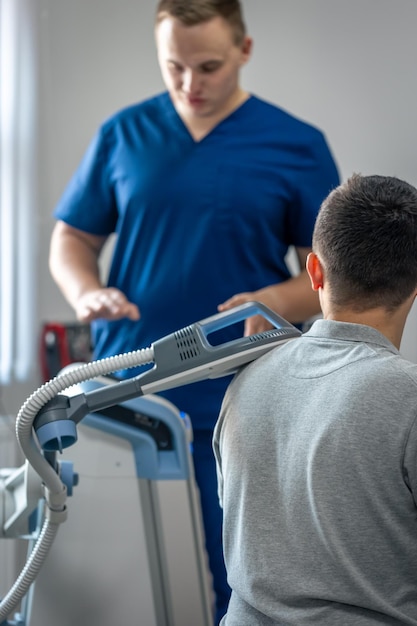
(73, 262)
(74, 266)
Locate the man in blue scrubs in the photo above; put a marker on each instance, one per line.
(206, 187)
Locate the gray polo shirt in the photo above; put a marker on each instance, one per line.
(316, 446)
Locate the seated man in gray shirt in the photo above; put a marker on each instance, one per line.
(316, 443)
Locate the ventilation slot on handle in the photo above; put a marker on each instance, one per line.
(187, 344)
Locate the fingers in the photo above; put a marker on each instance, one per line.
(267, 296)
(107, 303)
(239, 298)
(253, 325)
(256, 323)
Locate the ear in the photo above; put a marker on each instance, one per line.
(315, 271)
(246, 49)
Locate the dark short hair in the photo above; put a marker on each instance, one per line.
(366, 238)
(192, 12)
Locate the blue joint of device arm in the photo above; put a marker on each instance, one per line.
(55, 424)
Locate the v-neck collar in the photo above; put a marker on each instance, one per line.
(172, 112)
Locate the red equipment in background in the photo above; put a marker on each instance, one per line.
(61, 344)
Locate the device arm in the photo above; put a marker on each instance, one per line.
(182, 357)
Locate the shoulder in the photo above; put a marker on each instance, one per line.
(140, 113)
(282, 119)
(261, 372)
(406, 372)
(133, 125)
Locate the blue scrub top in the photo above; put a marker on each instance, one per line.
(196, 222)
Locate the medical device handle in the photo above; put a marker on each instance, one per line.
(187, 355)
(182, 357)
